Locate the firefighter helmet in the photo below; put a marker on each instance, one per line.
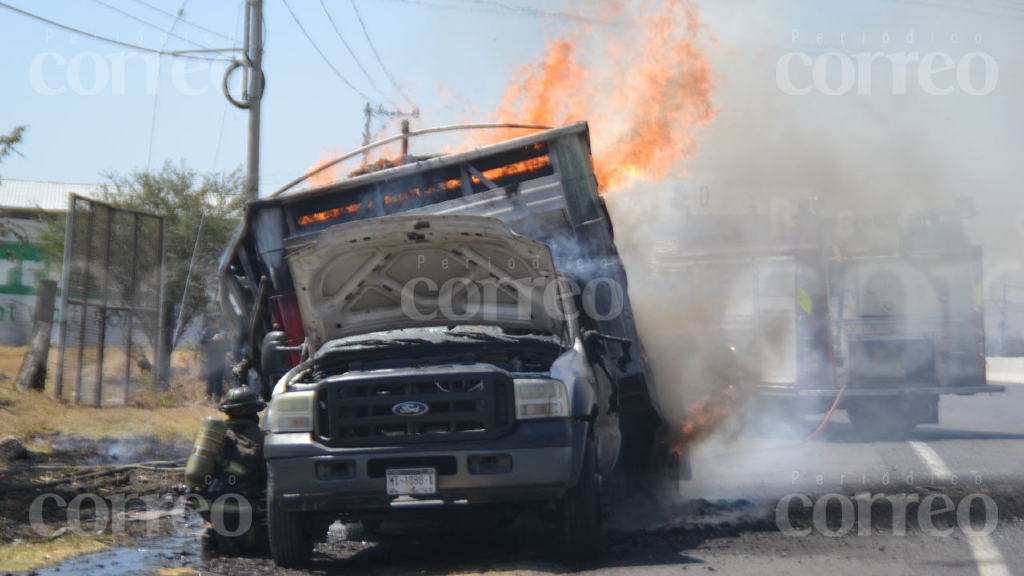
(241, 401)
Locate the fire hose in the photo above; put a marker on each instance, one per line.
(821, 427)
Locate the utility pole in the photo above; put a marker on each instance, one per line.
(254, 38)
(369, 112)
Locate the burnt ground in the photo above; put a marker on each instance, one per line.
(677, 530)
(726, 524)
(682, 536)
(69, 470)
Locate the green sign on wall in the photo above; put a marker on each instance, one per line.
(22, 266)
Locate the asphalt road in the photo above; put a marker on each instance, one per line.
(726, 519)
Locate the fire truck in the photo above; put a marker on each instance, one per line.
(884, 309)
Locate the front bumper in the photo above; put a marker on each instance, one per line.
(546, 458)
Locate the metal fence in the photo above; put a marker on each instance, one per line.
(111, 298)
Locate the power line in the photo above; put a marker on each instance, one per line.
(353, 54)
(220, 135)
(193, 24)
(111, 40)
(150, 24)
(494, 7)
(434, 4)
(531, 11)
(156, 97)
(242, 6)
(376, 55)
(322, 55)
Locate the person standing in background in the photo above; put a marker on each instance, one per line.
(213, 344)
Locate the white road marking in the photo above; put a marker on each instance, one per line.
(1003, 379)
(986, 555)
(990, 562)
(931, 459)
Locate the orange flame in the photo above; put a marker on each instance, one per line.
(644, 85)
(328, 175)
(644, 98)
(733, 390)
(705, 417)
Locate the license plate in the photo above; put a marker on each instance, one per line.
(412, 481)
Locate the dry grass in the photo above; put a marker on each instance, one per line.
(171, 413)
(32, 554)
(10, 363)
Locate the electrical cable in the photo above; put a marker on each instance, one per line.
(322, 55)
(493, 7)
(150, 24)
(354, 57)
(156, 97)
(203, 28)
(376, 55)
(531, 11)
(224, 115)
(110, 40)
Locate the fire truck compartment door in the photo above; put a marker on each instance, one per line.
(776, 322)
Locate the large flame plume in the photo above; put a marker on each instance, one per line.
(644, 87)
(644, 82)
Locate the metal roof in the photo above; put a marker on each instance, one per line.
(40, 195)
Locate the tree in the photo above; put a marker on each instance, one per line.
(185, 198)
(8, 146)
(9, 142)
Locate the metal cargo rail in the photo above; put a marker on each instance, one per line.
(542, 185)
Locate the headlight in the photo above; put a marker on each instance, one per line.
(292, 412)
(541, 398)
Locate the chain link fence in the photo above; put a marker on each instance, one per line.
(111, 294)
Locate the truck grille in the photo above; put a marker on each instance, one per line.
(462, 406)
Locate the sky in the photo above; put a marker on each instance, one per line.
(454, 58)
(442, 58)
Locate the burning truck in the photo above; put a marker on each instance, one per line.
(448, 333)
(877, 314)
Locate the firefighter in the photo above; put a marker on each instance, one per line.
(238, 469)
(213, 343)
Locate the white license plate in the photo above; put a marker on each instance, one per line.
(412, 481)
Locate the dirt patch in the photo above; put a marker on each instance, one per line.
(87, 496)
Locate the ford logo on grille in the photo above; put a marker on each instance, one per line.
(410, 409)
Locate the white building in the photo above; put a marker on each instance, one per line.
(23, 262)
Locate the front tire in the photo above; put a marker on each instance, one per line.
(581, 511)
(290, 544)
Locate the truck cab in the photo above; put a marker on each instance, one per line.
(452, 334)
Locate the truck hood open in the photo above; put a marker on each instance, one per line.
(420, 271)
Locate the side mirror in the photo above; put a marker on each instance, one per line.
(593, 342)
(274, 354)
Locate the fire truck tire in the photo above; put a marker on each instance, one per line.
(290, 543)
(580, 511)
(882, 419)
